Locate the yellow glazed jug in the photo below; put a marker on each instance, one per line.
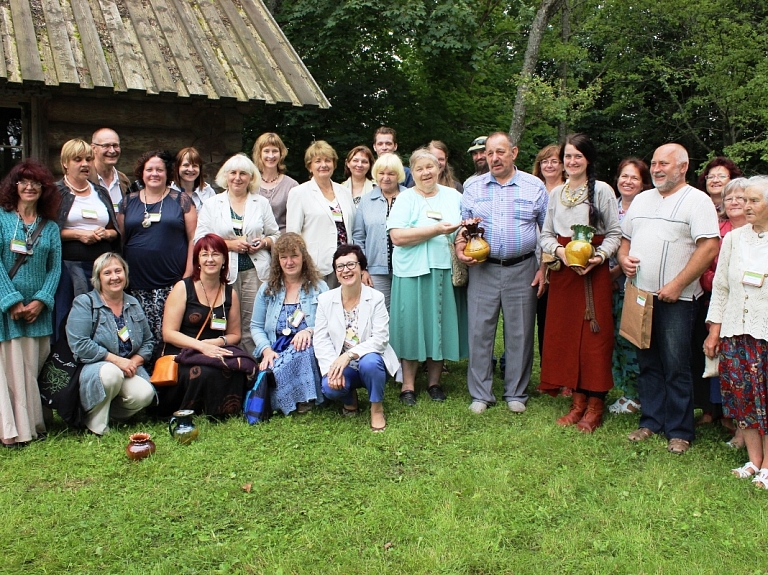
(476, 246)
(580, 249)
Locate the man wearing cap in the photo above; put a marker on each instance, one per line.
(477, 149)
(512, 205)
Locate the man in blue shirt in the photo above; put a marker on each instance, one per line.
(512, 205)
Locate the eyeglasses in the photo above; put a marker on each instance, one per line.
(24, 184)
(739, 199)
(550, 162)
(106, 146)
(721, 177)
(349, 265)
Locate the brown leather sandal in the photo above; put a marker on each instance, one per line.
(640, 434)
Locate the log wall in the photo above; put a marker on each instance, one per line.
(216, 131)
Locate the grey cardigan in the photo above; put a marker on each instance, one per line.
(89, 308)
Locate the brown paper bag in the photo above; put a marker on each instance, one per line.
(637, 316)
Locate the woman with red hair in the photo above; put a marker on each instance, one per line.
(202, 312)
(29, 203)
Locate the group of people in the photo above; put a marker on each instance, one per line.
(335, 287)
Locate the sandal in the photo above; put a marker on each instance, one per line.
(624, 405)
(761, 479)
(640, 434)
(678, 445)
(748, 470)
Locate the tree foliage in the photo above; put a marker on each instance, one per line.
(638, 73)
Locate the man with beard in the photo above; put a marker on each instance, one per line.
(477, 149)
(511, 205)
(106, 153)
(670, 237)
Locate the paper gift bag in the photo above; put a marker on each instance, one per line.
(637, 316)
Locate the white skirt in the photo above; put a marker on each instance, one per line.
(21, 412)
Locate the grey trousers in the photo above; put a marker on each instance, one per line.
(492, 288)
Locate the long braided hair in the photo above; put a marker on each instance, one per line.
(584, 145)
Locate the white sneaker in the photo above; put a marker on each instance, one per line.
(516, 406)
(478, 407)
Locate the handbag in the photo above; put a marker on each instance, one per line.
(637, 316)
(166, 370)
(59, 381)
(257, 406)
(459, 270)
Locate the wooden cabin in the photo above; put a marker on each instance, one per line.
(164, 74)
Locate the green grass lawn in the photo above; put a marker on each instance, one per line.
(441, 491)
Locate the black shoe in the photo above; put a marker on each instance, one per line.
(408, 398)
(436, 393)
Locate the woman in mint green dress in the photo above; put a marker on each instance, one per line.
(428, 315)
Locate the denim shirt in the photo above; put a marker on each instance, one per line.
(266, 310)
(93, 351)
(370, 230)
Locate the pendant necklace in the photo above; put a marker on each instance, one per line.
(27, 230)
(146, 222)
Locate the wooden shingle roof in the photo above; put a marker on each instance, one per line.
(215, 49)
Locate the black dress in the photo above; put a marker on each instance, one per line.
(204, 389)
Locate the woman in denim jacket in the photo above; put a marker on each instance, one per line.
(282, 325)
(108, 332)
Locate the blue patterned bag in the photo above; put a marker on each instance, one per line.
(257, 406)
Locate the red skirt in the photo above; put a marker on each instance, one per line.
(574, 355)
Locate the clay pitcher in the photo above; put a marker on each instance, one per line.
(580, 249)
(140, 446)
(184, 431)
(476, 246)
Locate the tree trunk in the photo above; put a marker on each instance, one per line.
(539, 24)
(565, 24)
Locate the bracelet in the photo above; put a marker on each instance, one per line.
(224, 339)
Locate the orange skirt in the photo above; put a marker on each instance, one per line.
(575, 356)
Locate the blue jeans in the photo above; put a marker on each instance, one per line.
(665, 385)
(371, 373)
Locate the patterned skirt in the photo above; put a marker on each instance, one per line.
(743, 365)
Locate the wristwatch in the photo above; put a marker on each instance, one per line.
(351, 355)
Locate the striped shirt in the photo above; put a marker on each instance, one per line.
(511, 212)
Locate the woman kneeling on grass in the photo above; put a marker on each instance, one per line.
(738, 332)
(108, 331)
(352, 338)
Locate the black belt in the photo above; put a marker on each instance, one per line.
(512, 262)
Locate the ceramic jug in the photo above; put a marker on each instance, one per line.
(579, 249)
(476, 246)
(184, 430)
(140, 446)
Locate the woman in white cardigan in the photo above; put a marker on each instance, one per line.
(320, 210)
(352, 338)
(244, 220)
(738, 330)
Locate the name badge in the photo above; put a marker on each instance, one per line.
(219, 323)
(641, 300)
(434, 215)
(351, 338)
(123, 333)
(154, 218)
(18, 246)
(115, 207)
(237, 224)
(296, 317)
(337, 215)
(752, 279)
(90, 214)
